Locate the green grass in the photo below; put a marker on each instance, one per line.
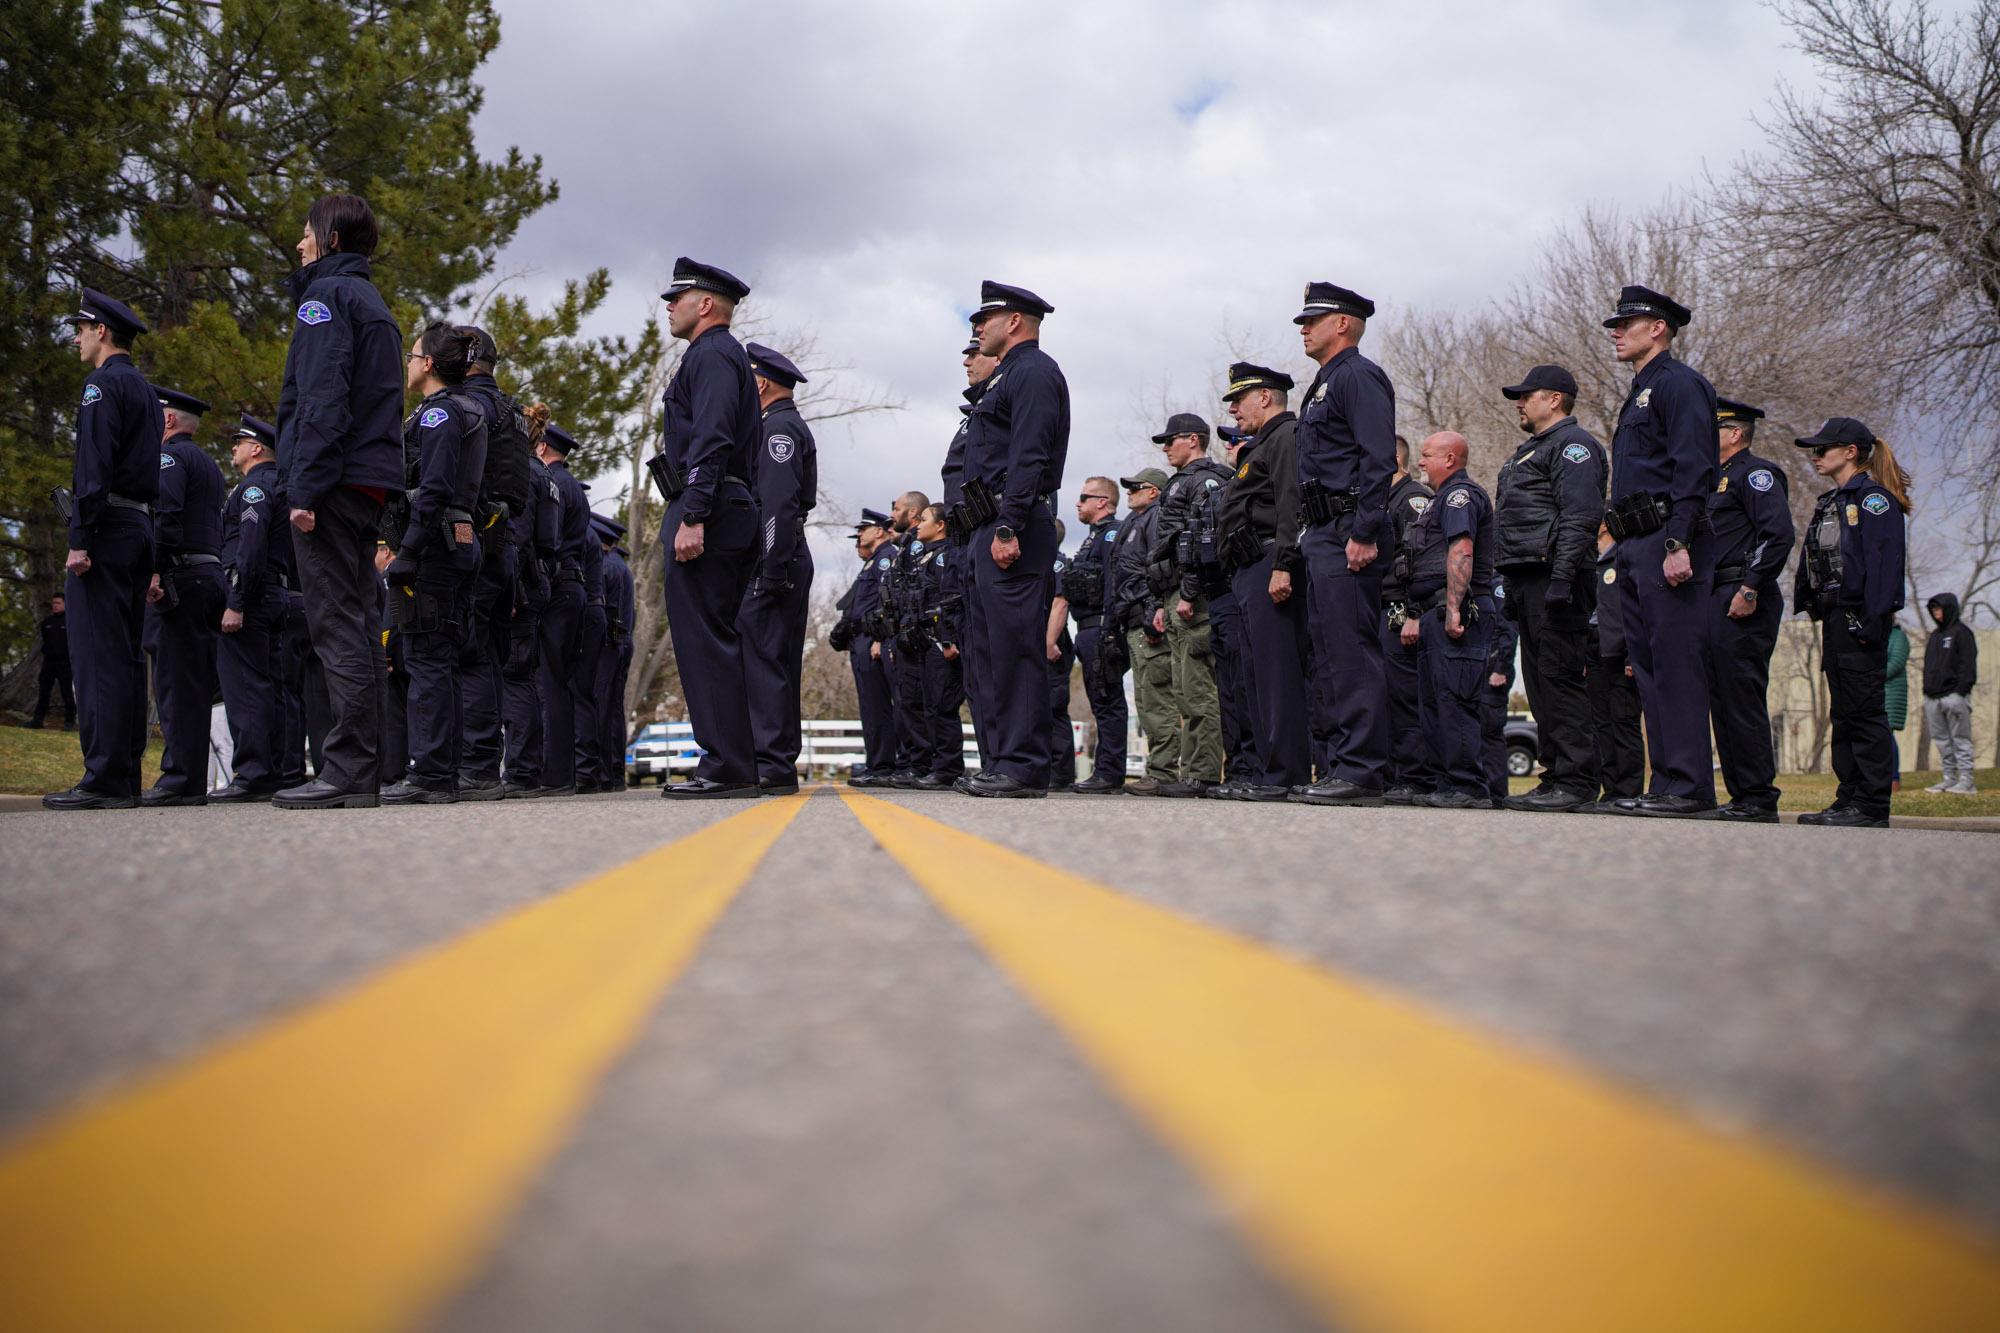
(1814, 791)
(51, 760)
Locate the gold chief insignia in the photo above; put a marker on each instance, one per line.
(1722, 486)
(1243, 471)
(1645, 397)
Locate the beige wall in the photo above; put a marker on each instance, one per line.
(1798, 701)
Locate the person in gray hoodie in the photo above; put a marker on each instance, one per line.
(1951, 669)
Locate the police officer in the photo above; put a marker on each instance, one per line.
(1062, 668)
(777, 602)
(115, 480)
(1184, 557)
(1229, 645)
(1750, 515)
(1260, 537)
(184, 602)
(614, 663)
(938, 597)
(979, 368)
(1347, 455)
(578, 557)
(430, 580)
(257, 570)
(592, 632)
(1134, 607)
(1408, 771)
(1080, 596)
(1851, 581)
(1614, 695)
(1013, 464)
(707, 455)
(1549, 501)
(538, 548)
(859, 614)
(1451, 590)
(55, 673)
(1496, 698)
(895, 617)
(1665, 464)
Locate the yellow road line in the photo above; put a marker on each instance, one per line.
(1407, 1173)
(344, 1167)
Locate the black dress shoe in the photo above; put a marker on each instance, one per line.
(1096, 786)
(82, 798)
(1547, 800)
(1457, 800)
(1223, 791)
(234, 794)
(154, 797)
(903, 779)
(1056, 788)
(1004, 787)
(934, 782)
(482, 789)
(410, 792)
(867, 780)
(778, 788)
(1667, 807)
(543, 792)
(708, 789)
(1402, 794)
(1736, 812)
(511, 790)
(1837, 816)
(322, 795)
(962, 784)
(1262, 791)
(1338, 791)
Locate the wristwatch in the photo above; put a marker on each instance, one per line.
(1747, 593)
(1675, 546)
(1003, 533)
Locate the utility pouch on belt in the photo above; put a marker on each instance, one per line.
(65, 502)
(1319, 506)
(1639, 515)
(670, 482)
(1241, 549)
(980, 507)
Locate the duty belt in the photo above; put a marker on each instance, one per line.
(126, 502)
(1730, 574)
(197, 558)
(569, 573)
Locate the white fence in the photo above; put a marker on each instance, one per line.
(827, 747)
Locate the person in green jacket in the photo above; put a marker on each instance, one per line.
(1896, 695)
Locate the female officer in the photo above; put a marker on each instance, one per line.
(1851, 581)
(437, 556)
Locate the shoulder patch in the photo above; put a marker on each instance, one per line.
(1243, 471)
(883, 563)
(1876, 503)
(1211, 483)
(916, 546)
(1061, 566)
(166, 460)
(1576, 453)
(314, 312)
(433, 416)
(1760, 479)
(1111, 534)
(91, 393)
(1459, 498)
(781, 448)
(1419, 503)
(252, 494)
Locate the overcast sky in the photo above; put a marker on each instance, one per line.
(1168, 175)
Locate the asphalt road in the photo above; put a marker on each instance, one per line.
(855, 1105)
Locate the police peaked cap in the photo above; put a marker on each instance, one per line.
(255, 428)
(94, 307)
(1243, 377)
(558, 439)
(607, 529)
(1840, 430)
(690, 275)
(999, 296)
(1326, 298)
(185, 403)
(1542, 377)
(773, 366)
(971, 346)
(1644, 302)
(872, 518)
(1728, 410)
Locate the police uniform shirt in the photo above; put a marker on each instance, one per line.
(1019, 441)
(1750, 513)
(1347, 438)
(787, 486)
(187, 515)
(255, 548)
(1461, 509)
(1263, 496)
(1665, 443)
(436, 432)
(953, 473)
(619, 612)
(1863, 522)
(712, 422)
(543, 521)
(576, 544)
(1408, 499)
(118, 427)
(340, 412)
(864, 599)
(1549, 501)
(1607, 613)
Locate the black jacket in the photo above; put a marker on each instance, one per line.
(1198, 484)
(1264, 495)
(341, 409)
(1951, 655)
(187, 515)
(1132, 603)
(787, 487)
(1408, 499)
(118, 428)
(1547, 506)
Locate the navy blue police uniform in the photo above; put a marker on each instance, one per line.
(959, 570)
(114, 483)
(860, 609)
(1495, 699)
(257, 570)
(1085, 584)
(1062, 669)
(592, 633)
(1408, 771)
(1014, 458)
(614, 663)
(1616, 727)
(1229, 642)
(1664, 460)
(184, 623)
(777, 603)
(1347, 455)
(1454, 669)
(340, 453)
(538, 548)
(936, 594)
(505, 494)
(902, 651)
(1850, 579)
(708, 456)
(562, 619)
(1750, 517)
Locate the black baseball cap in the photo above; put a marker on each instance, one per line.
(1543, 377)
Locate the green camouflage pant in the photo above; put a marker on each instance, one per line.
(1194, 698)
(1153, 689)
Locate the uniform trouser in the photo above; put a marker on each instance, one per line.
(1409, 763)
(1107, 707)
(880, 743)
(1666, 632)
(337, 570)
(303, 713)
(614, 664)
(1555, 648)
(252, 691)
(1191, 645)
(774, 645)
(1614, 720)
(560, 628)
(1864, 757)
(479, 688)
(106, 623)
(1010, 609)
(435, 704)
(1950, 719)
(1493, 736)
(55, 677)
(1739, 676)
(182, 640)
(1345, 611)
(586, 705)
(944, 691)
(1276, 635)
(1153, 695)
(395, 763)
(1235, 687)
(521, 698)
(1062, 735)
(703, 598)
(906, 700)
(1450, 703)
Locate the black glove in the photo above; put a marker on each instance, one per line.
(401, 573)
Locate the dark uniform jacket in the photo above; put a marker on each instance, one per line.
(1608, 615)
(619, 612)
(1133, 603)
(1191, 501)
(446, 437)
(1019, 440)
(1665, 443)
(577, 547)
(256, 538)
(934, 579)
(118, 427)
(711, 428)
(1263, 497)
(1084, 582)
(1347, 439)
(861, 604)
(1408, 499)
(1549, 501)
(187, 516)
(1750, 513)
(340, 413)
(787, 487)
(953, 474)
(1461, 509)
(1854, 557)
